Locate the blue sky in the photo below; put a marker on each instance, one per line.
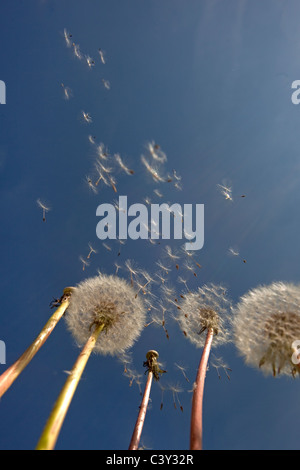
(210, 82)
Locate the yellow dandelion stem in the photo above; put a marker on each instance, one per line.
(55, 421)
(12, 373)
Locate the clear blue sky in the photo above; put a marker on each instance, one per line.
(210, 81)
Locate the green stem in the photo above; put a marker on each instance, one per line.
(55, 421)
(12, 373)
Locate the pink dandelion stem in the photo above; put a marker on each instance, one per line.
(197, 404)
(136, 436)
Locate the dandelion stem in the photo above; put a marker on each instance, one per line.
(136, 436)
(197, 404)
(55, 421)
(12, 373)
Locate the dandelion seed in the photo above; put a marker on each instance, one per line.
(189, 266)
(90, 184)
(158, 193)
(86, 117)
(132, 270)
(106, 84)
(118, 267)
(77, 52)
(102, 152)
(100, 304)
(175, 389)
(183, 281)
(92, 250)
(107, 247)
(152, 170)
(84, 262)
(101, 53)
(182, 370)
(226, 191)
(125, 359)
(67, 91)
(121, 242)
(218, 363)
(156, 152)
(122, 165)
(112, 182)
(165, 268)
(90, 62)
(45, 208)
(235, 252)
(266, 323)
(67, 37)
(92, 139)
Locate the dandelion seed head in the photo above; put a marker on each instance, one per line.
(266, 323)
(111, 301)
(207, 308)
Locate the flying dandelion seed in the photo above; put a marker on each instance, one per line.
(122, 165)
(218, 363)
(226, 191)
(102, 57)
(92, 139)
(184, 282)
(92, 250)
(118, 267)
(156, 152)
(90, 184)
(67, 37)
(132, 270)
(102, 304)
(86, 117)
(107, 247)
(176, 389)
(266, 323)
(235, 252)
(158, 193)
(182, 370)
(90, 62)
(112, 182)
(152, 171)
(106, 84)
(84, 263)
(163, 267)
(77, 52)
(67, 92)
(45, 208)
(102, 152)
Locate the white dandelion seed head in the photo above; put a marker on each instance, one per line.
(266, 323)
(110, 300)
(206, 308)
